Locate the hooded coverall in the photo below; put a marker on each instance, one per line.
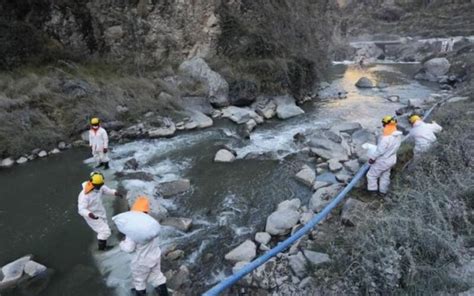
(385, 158)
(92, 203)
(146, 263)
(424, 135)
(98, 140)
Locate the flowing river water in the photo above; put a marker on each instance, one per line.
(228, 202)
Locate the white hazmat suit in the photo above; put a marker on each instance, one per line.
(385, 158)
(98, 140)
(424, 135)
(92, 203)
(146, 262)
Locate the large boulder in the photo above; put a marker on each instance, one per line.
(244, 252)
(224, 155)
(327, 149)
(320, 198)
(240, 115)
(218, 89)
(364, 82)
(242, 93)
(433, 69)
(284, 218)
(200, 119)
(286, 107)
(167, 189)
(167, 128)
(306, 176)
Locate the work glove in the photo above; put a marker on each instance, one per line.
(106, 150)
(371, 161)
(92, 216)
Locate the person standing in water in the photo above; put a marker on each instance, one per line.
(99, 143)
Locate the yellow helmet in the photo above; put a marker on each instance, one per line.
(95, 121)
(414, 118)
(97, 178)
(389, 119)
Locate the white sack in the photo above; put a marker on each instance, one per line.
(138, 226)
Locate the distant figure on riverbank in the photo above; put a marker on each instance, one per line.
(90, 207)
(384, 158)
(423, 133)
(99, 143)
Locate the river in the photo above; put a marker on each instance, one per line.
(228, 202)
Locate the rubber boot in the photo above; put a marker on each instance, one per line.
(162, 290)
(102, 245)
(99, 165)
(138, 292)
(106, 165)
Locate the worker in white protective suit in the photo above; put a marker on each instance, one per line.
(99, 143)
(91, 208)
(384, 158)
(423, 133)
(146, 260)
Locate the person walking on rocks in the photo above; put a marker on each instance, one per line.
(146, 260)
(90, 207)
(99, 143)
(423, 134)
(384, 158)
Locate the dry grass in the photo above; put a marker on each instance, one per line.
(414, 242)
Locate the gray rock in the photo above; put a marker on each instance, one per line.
(457, 99)
(114, 32)
(353, 212)
(62, 145)
(14, 270)
(267, 110)
(200, 119)
(319, 198)
(352, 165)
(316, 258)
(42, 153)
(347, 127)
(244, 252)
(262, 237)
(364, 82)
(393, 98)
(316, 203)
(224, 155)
(54, 151)
(143, 176)
(320, 184)
(305, 217)
(199, 104)
(291, 204)
(121, 109)
(280, 222)
(218, 88)
(343, 177)
(306, 176)
(33, 268)
(327, 178)
(131, 164)
(299, 262)
(183, 224)
(167, 128)
(239, 115)
(179, 279)
(175, 255)
(250, 125)
(21, 160)
(334, 165)
(7, 162)
(437, 66)
(171, 188)
(286, 107)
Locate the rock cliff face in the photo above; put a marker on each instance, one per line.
(151, 33)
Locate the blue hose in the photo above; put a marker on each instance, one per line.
(231, 280)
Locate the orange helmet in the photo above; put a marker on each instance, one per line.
(141, 204)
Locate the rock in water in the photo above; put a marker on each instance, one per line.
(437, 67)
(306, 176)
(33, 268)
(244, 252)
(347, 127)
(183, 224)
(364, 82)
(7, 162)
(262, 237)
(286, 107)
(14, 270)
(171, 188)
(224, 155)
(131, 164)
